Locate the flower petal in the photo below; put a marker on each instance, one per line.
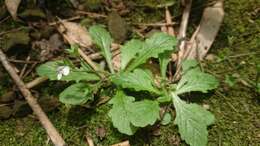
(59, 76)
(66, 70)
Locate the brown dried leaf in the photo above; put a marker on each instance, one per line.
(116, 60)
(48, 48)
(101, 132)
(75, 34)
(12, 7)
(206, 32)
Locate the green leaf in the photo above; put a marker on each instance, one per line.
(119, 113)
(76, 94)
(128, 115)
(195, 80)
(73, 50)
(192, 121)
(230, 80)
(49, 70)
(103, 40)
(189, 64)
(158, 43)
(163, 99)
(164, 60)
(167, 118)
(139, 80)
(79, 74)
(129, 51)
(258, 87)
(143, 113)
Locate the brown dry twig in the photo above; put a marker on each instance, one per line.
(22, 61)
(154, 24)
(12, 30)
(36, 82)
(89, 141)
(124, 143)
(87, 59)
(182, 35)
(91, 14)
(24, 68)
(170, 31)
(69, 19)
(46, 123)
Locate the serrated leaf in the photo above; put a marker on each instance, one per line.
(103, 40)
(129, 51)
(119, 113)
(192, 121)
(139, 80)
(49, 70)
(128, 115)
(158, 43)
(143, 113)
(75, 94)
(195, 80)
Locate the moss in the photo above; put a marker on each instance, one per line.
(236, 108)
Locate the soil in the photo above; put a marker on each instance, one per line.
(233, 59)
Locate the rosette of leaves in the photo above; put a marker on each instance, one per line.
(128, 113)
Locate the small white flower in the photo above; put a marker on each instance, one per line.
(62, 71)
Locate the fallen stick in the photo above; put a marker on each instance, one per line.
(35, 82)
(182, 36)
(124, 143)
(90, 141)
(50, 129)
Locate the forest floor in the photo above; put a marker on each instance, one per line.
(233, 59)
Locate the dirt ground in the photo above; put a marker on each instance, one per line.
(233, 59)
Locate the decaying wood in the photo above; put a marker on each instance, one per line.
(50, 129)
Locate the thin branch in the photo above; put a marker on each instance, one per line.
(87, 59)
(46, 123)
(36, 82)
(124, 143)
(182, 35)
(171, 32)
(154, 24)
(91, 14)
(90, 141)
(168, 18)
(23, 61)
(64, 20)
